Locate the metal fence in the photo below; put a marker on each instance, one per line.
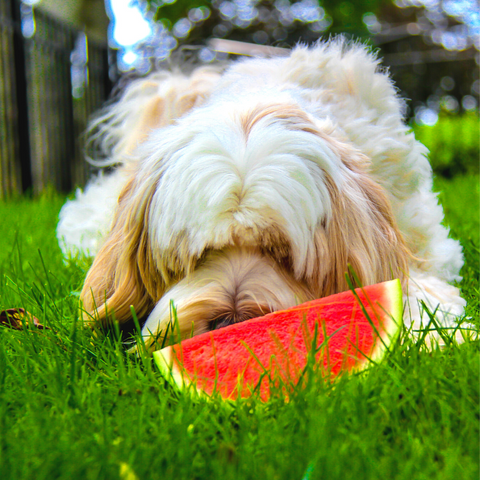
(51, 79)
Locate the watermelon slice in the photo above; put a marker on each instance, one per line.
(273, 349)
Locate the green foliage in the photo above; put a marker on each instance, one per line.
(174, 11)
(267, 21)
(346, 15)
(74, 405)
(454, 143)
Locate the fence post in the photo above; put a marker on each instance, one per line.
(22, 96)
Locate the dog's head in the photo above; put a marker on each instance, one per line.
(238, 210)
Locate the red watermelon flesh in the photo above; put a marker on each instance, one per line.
(274, 348)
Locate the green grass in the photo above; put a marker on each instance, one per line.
(74, 406)
(453, 143)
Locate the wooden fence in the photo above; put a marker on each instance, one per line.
(51, 79)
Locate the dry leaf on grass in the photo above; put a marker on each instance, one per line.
(17, 318)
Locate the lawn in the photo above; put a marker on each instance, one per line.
(75, 406)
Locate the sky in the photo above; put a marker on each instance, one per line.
(128, 26)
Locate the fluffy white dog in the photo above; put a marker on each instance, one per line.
(250, 189)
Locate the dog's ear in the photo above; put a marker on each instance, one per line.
(123, 272)
(362, 233)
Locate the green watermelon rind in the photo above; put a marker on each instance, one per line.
(392, 328)
(170, 372)
(394, 311)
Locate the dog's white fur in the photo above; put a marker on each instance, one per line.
(251, 189)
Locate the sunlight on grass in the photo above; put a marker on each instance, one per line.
(74, 405)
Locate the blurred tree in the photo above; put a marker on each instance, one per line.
(265, 21)
(429, 46)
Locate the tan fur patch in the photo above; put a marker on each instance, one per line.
(122, 274)
(360, 235)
